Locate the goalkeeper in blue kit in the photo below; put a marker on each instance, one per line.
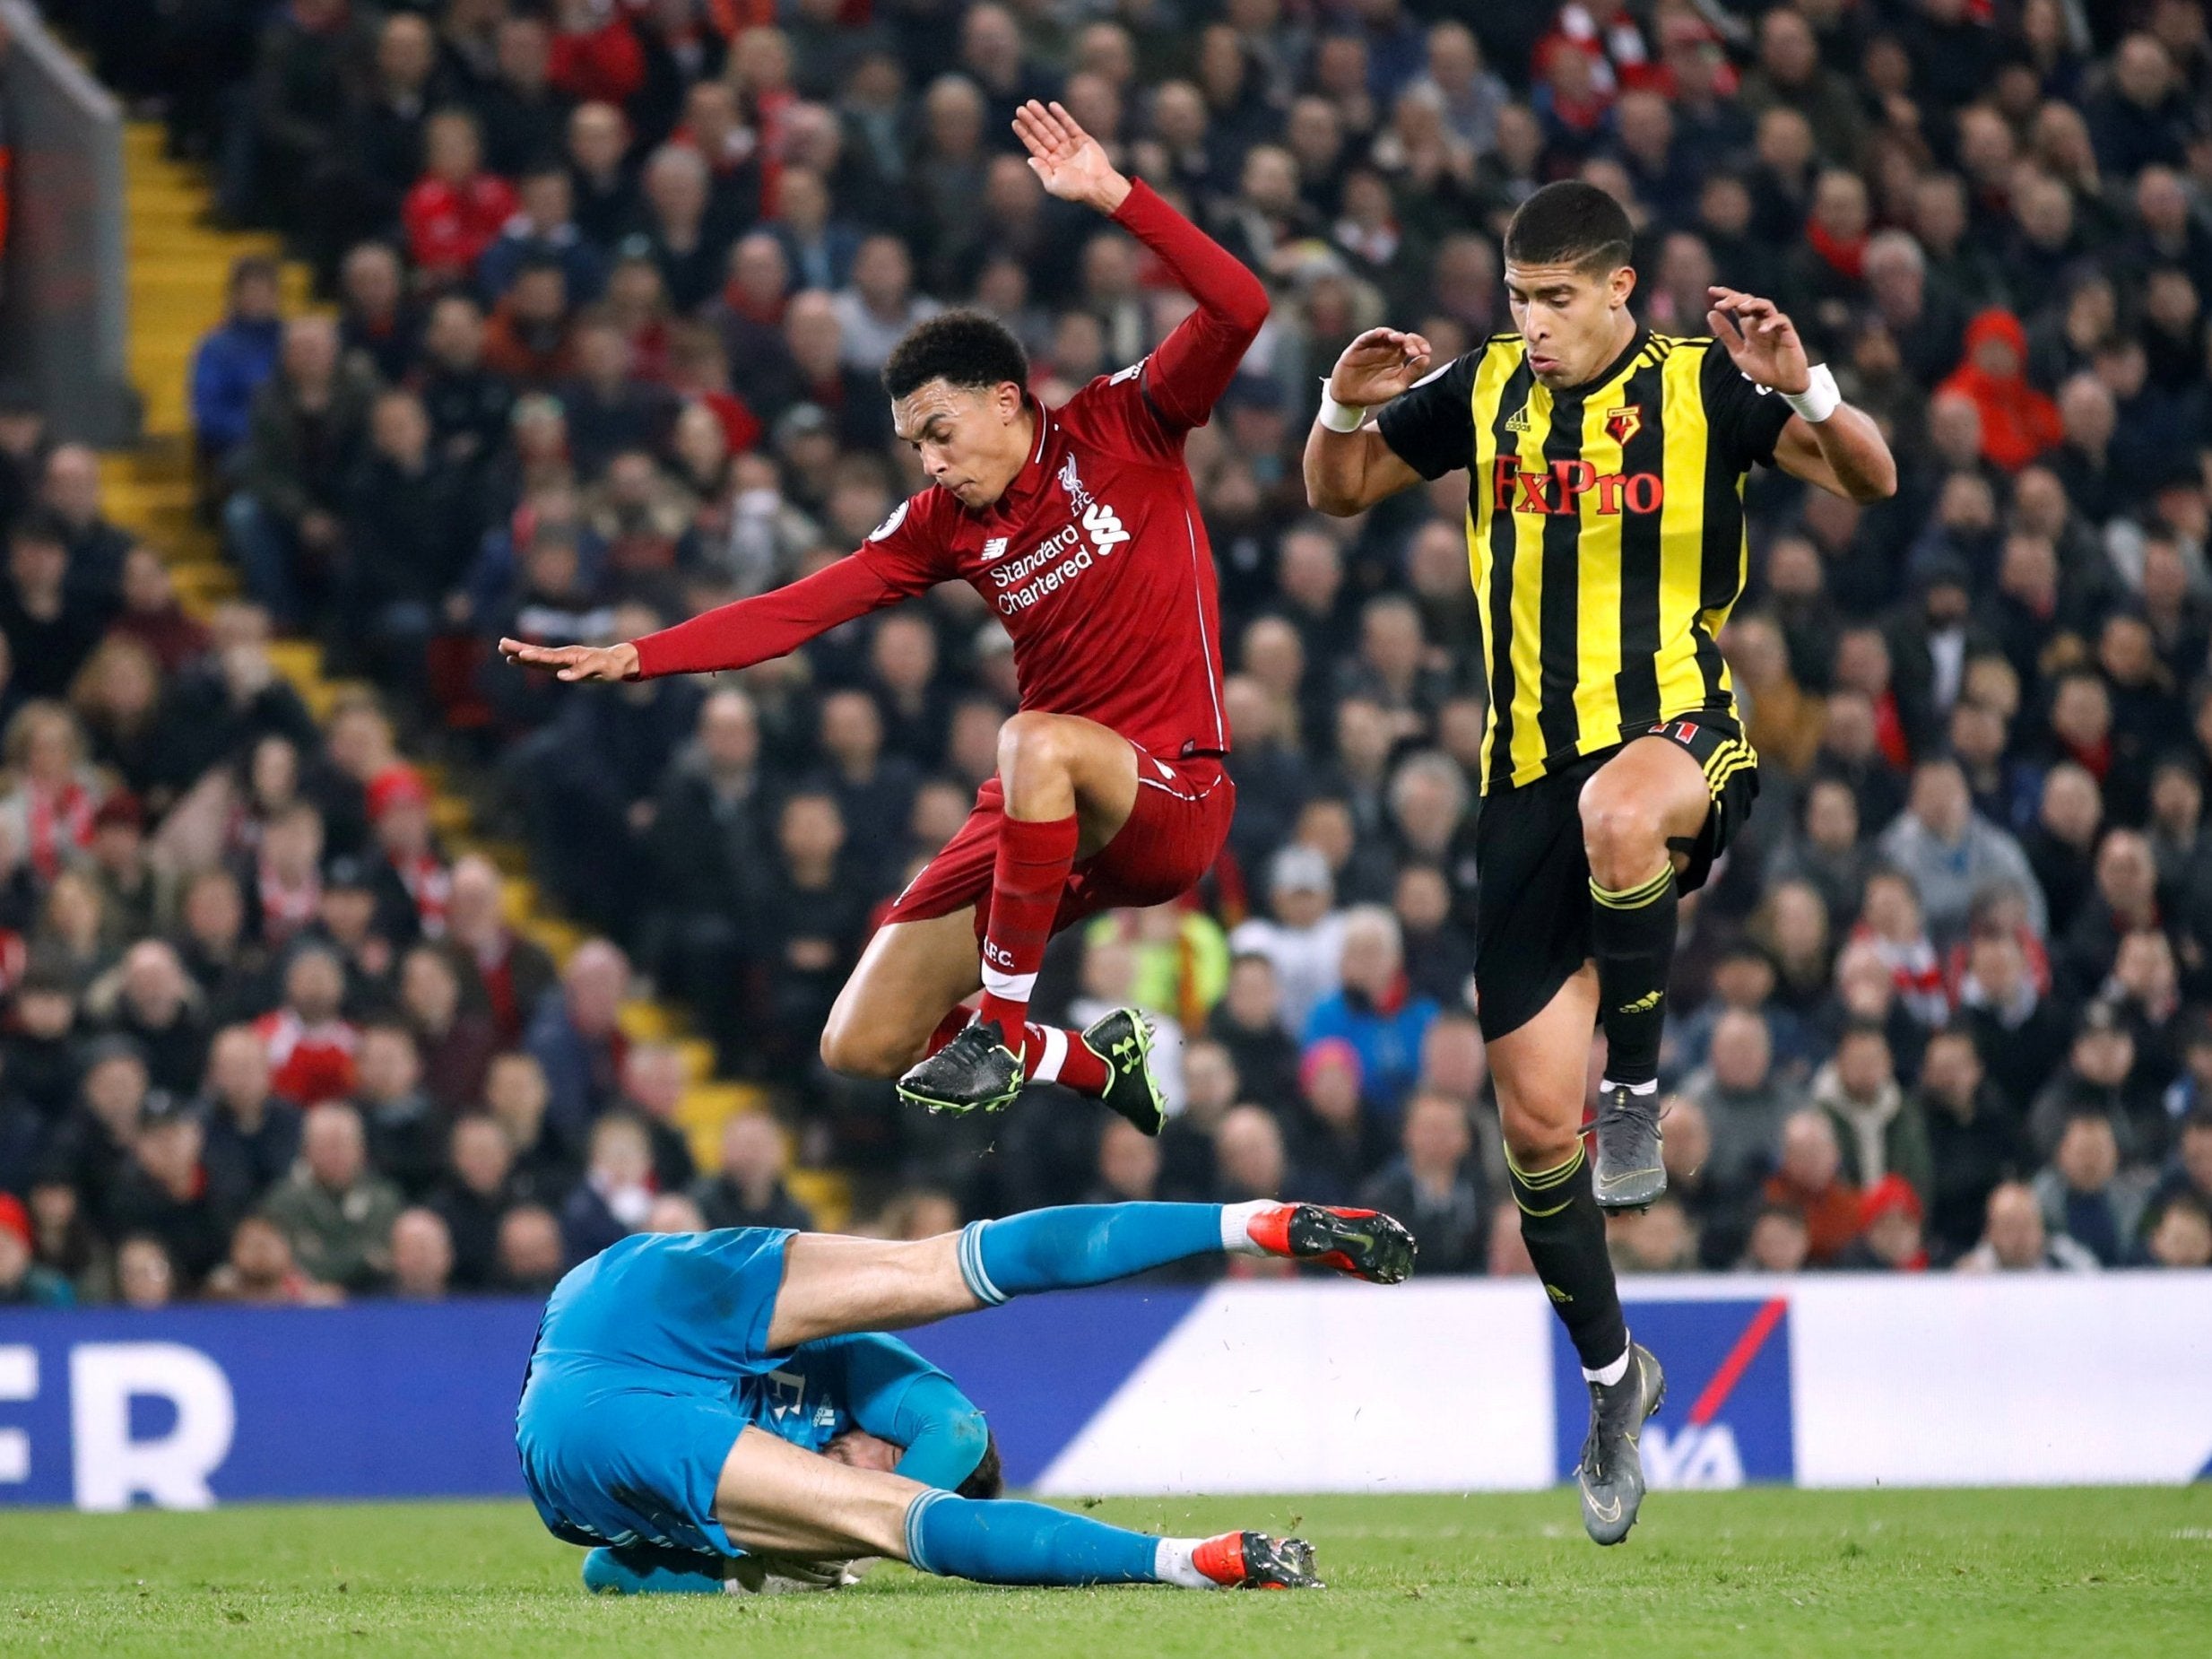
(721, 1412)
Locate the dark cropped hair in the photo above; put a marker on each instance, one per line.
(961, 348)
(1570, 223)
(988, 1479)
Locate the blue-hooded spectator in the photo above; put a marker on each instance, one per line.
(1376, 1011)
(234, 358)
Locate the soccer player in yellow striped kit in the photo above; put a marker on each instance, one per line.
(1605, 534)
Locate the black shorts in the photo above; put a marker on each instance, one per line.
(1532, 875)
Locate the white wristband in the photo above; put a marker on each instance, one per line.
(1818, 400)
(1339, 417)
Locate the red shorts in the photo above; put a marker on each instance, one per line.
(1174, 834)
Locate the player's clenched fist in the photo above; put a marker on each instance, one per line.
(1378, 366)
(575, 662)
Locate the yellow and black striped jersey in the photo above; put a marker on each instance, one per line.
(1605, 533)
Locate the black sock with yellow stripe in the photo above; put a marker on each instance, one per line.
(1632, 935)
(1564, 1231)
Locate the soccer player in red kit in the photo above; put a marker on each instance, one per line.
(1081, 527)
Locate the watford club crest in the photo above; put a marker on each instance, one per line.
(1624, 423)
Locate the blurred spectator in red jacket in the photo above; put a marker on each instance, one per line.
(2018, 422)
(457, 209)
(311, 1042)
(1810, 1182)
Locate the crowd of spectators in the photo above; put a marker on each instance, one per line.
(263, 1042)
(612, 284)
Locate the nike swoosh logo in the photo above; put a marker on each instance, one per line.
(1608, 1513)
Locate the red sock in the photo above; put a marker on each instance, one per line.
(1034, 859)
(949, 1027)
(1052, 1055)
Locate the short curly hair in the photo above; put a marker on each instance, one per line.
(961, 348)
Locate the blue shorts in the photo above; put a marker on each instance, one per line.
(641, 1381)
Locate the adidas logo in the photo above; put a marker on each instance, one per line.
(1558, 1295)
(1642, 1004)
(1518, 421)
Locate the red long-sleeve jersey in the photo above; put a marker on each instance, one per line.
(1095, 558)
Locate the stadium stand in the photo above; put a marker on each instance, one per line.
(562, 321)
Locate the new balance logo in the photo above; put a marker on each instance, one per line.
(1641, 1005)
(1518, 421)
(995, 548)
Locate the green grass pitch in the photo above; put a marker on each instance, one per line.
(1930, 1575)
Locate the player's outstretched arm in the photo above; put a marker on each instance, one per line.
(731, 635)
(1827, 442)
(1349, 468)
(582, 663)
(1194, 364)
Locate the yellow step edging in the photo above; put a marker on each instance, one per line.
(180, 265)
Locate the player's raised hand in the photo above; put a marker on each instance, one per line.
(1071, 164)
(1378, 366)
(575, 662)
(1761, 338)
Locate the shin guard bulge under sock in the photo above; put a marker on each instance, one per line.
(1564, 1231)
(1034, 858)
(1631, 936)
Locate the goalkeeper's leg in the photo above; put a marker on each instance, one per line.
(778, 1500)
(833, 1285)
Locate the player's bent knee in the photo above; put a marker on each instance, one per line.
(1541, 1139)
(1030, 742)
(1541, 1148)
(856, 1046)
(1622, 833)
